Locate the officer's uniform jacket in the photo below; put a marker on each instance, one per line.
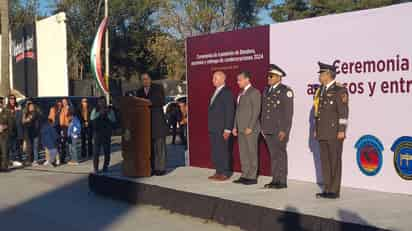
(331, 111)
(277, 110)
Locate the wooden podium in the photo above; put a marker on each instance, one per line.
(136, 136)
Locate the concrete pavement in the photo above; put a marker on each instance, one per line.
(46, 198)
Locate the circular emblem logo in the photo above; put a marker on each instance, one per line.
(369, 155)
(402, 157)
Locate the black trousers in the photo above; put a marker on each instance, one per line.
(63, 144)
(174, 131)
(4, 152)
(331, 161)
(221, 157)
(87, 142)
(16, 149)
(158, 156)
(102, 142)
(278, 158)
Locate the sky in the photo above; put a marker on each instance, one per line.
(265, 18)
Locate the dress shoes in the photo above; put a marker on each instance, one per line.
(250, 182)
(212, 177)
(275, 185)
(221, 178)
(321, 195)
(241, 180)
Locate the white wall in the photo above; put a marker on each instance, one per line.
(360, 36)
(52, 56)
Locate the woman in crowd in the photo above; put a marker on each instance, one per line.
(54, 114)
(86, 131)
(31, 131)
(49, 138)
(64, 125)
(103, 118)
(16, 139)
(54, 117)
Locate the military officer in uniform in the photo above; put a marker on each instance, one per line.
(6, 126)
(331, 118)
(276, 121)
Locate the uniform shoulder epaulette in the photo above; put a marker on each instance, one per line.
(286, 87)
(339, 84)
(288, 91)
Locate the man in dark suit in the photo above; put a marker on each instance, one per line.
(220, 124)
(331, 118)
(155, 93)
(276, 121)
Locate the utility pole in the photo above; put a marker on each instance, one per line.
(5, 52)
(107, 50)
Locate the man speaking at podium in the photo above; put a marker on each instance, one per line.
(156, 95)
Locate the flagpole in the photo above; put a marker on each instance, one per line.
(107, 51)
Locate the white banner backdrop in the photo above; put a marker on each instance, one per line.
(373, 52)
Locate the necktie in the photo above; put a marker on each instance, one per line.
(213, 97)
(240, 95)
(270, 90)
(322, 92)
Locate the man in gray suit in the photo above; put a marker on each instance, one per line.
(220, 124)
(247, 128)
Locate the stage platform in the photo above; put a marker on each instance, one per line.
(187, 190)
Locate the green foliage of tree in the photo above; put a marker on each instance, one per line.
(298, 9)
(130, 26)
(149, 35)
(180, 19)
(23, 12)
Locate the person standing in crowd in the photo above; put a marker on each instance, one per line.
(221, 112)
(49, 140)
(31, 126)
(64, 125)
(174, 116)
(54, 116)
(102, 118)
(86, 130)
(74, 135)
(156, 95)
(331, 118)
(16, 139)
(6, 126)
(247, 128)
(276, 121)
(183, 108)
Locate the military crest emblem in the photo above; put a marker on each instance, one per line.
(369, 155)
(402, 157)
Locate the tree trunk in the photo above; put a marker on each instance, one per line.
(5, 52)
